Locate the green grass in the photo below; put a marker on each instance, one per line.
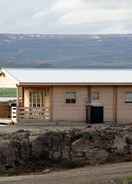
(129, 179)
(8, 92)
(124, 180)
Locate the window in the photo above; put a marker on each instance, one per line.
(95, 95)
(70, 97)
(37, 98)
(129, 97)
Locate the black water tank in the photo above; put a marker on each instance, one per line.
(94, 114)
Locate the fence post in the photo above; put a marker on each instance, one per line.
(14, 114)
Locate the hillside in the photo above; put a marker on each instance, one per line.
(64, 51)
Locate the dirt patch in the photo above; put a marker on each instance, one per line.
(103, 174)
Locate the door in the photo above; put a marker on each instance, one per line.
(97, 114)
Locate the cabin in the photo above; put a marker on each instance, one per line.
(7, 95)
(90, 95)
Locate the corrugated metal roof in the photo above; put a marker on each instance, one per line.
(71, 76)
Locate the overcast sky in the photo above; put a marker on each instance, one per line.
(66, 16)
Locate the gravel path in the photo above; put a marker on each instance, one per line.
(86, 175)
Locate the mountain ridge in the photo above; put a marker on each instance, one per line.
(66, 51)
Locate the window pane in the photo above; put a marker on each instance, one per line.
(68, 95)
(129, 97)
(73, 95)
(68, 101)
(38, 99)
(35, 98)
(73, 100)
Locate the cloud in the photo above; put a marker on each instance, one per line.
(98, 16)
(39, 14)
(66, 16)
(113, 15)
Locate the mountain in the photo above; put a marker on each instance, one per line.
(65, 51)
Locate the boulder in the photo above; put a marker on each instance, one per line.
(88, 146)
(48, 146)
(20, 143)
(14, 149)
(120, 144)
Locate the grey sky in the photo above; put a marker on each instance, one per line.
(66, 16)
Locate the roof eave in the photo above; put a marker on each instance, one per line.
(10, 76)
(74, 84)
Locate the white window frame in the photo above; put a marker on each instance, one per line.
(37, 98)
(128, 97)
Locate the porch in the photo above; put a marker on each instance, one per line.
(34, 103)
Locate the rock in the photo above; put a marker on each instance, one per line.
(46, 171)
(48, 146)
(129, 139)
(96, 156)
(14, 149)
(120, 144)
(7, 154)
(84, 149)
(93, 145)
(20, 143)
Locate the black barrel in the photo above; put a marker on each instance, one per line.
(94, 114)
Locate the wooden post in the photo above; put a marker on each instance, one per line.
(17, 95)
(22, 96)
(17, 102)
(51, 104)
(89, 94)
(88, 109)
(115, 101)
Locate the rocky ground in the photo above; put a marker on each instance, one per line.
(23, 152)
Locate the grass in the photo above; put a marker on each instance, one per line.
(129, 180)
(126, 180)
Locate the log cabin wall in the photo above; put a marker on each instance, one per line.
(112, 98)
